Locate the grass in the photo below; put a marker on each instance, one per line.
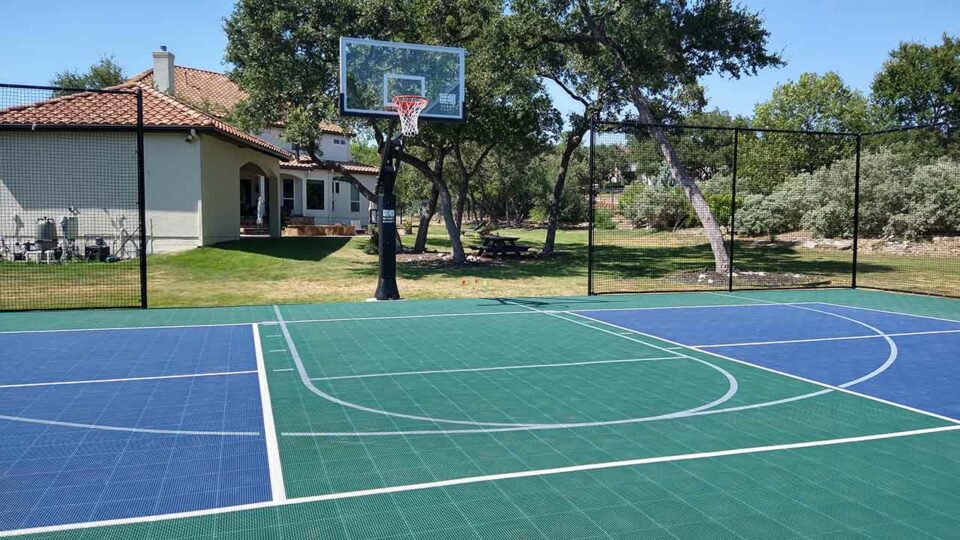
(297, 270)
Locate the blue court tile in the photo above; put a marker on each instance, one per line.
(55, 474)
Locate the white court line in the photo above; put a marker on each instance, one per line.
(889, 312)
(495, 313)
(308, 383)
(128, 429)
(755, 302)
(487, 478)
(814, 340)
(784, 373)
(283, 369)
(174, 326)
(129, 379)
(277, 350)
(499, 368)
(278, 489)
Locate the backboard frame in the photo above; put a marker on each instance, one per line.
(345, 108)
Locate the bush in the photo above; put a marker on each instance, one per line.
(603, 219)
(763, 215)
(372, 246)
(658, 207)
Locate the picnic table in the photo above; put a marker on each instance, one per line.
(494, 246)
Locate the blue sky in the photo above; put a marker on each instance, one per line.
(852, 37)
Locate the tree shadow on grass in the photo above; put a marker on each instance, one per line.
(291, 248)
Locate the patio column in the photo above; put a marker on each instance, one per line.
(274, 205)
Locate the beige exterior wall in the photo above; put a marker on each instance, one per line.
(334, 147)
(171, 167)
(220, 191)
(43, 172)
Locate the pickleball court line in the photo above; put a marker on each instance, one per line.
(486, 478)
(278, 489)
(130, 379)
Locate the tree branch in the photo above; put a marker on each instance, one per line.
(565, 88)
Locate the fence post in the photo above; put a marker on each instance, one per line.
(856, 213)
(593, 200)
(733, 205)
(141, 202)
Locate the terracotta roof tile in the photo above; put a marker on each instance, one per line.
(210, 91)
(305, 163)
(92, 109)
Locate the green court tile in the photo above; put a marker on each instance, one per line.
(703, 529)
(571, 525)
(517, 529)
(493, 510)
(758, 527)
(622, 519)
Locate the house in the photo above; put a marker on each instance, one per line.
(202, 175)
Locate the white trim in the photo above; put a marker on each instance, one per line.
(129, 379)
(499, 368)
(278, 489)
(487, 478)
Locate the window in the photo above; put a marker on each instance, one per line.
(354, 198)
(336, 187)
(315, 195)
(341, 142)
(288, 196)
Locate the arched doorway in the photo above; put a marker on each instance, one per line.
(254, 216)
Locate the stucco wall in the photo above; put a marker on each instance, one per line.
(328, 145)
(220, 192)
(172, 185)
(42, 173)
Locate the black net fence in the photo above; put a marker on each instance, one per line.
(909, 236)
(732, 208)
(70, 192)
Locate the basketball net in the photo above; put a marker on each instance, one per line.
(408, 109)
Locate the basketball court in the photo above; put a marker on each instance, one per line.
(754, 414)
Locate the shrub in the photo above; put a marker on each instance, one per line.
(658, 207)
(372, 246)
(763, 215)
(603, 219)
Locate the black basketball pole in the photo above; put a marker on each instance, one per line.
(387, 214)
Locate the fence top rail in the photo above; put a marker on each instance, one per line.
(724, 128)
(69, 89)
(947, 123)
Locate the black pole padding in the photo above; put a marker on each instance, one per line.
(141, 202)
(387, 221)
(856, 214)
(733, 208)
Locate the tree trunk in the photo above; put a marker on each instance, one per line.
(553, 221)
(446, 206)
(425, 216)
(721, 255)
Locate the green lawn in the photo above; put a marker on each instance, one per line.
(298, 270)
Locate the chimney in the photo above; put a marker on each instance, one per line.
(163, 70)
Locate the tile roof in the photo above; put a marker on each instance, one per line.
(160, 111)
(211, 91)
(305, 163)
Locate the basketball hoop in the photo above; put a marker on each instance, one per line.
(408, 109)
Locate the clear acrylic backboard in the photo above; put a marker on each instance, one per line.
(373, 72)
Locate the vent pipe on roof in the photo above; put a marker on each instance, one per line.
(163, 79)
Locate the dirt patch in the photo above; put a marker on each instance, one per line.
(749, 279)
(936, 246)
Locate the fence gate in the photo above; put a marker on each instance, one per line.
(683, 208)
(71, 198)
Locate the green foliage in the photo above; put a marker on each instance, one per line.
(603, 219)
(659, 208)
(105, 72)
(372, 245)
(762, 215)
(813, 103)
(920, 84)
